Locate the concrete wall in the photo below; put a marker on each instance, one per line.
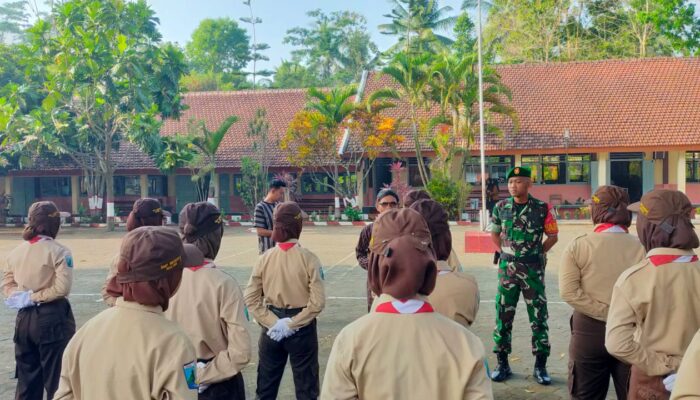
(568, 192)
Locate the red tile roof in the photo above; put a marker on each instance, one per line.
(604, 104)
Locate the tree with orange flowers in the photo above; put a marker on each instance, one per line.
(337, 134)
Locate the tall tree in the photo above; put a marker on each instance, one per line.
(336, 47)
(256, 48)
(315, 138)
(292, 74)
(104, 77)
(14, 19)
(415, 23)
(219, 46)
(671, 20)
(413, 73)
(207, 143)
(255, 168)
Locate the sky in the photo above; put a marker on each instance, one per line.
(179, 18)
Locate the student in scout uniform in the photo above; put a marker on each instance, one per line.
(650, 322)
(144, 212)
(285, 294)
(517, 228)
(263, 214)
(590, 266)
(387, 200)
(403, 349)
(686, 384)
(456, 294)
(130, 351)
(210, 309)
(37, 280)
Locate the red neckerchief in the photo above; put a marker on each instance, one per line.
(662, 259)
(39, 238)
(286, 245)
(207, 264)
(611, 228)
(408, 306)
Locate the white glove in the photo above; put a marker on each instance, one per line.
(670, 382)
(200, 367)
(281, 330)
(20, 299)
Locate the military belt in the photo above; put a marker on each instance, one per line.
(522, 259)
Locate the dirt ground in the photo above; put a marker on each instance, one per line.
(345, 288)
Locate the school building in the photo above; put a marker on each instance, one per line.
(632, 123)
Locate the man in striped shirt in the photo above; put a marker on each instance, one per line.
(263, 214)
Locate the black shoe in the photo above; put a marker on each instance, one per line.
(502, 371)
(540, 372)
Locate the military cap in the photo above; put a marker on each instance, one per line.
(523, 172)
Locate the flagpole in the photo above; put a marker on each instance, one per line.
(484, 211)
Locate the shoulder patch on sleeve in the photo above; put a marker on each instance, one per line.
(190, 371)
(69, 260)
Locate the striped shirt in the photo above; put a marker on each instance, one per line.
(263, 219)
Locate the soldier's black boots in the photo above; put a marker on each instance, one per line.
(540, 372)
(502, 371)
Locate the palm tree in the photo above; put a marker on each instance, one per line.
(455, 87)
(415, 23)
(412, 73)
(208, 144)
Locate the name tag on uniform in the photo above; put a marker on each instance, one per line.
(190, 371)
(507, 214)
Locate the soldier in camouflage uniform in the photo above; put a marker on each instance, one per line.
(517, 228)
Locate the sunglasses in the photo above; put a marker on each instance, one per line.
(389, 204)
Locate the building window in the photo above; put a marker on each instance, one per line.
(54, 187)
(129, 185)
(316, 184)
(692, 166)
(496, 167)
(237, 184)
(414, 179)
(157, 185)
(559, 169)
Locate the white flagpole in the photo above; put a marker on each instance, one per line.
(484, 211)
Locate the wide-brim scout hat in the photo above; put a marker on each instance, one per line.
(660, 204)
(395, 223)
(149, 253)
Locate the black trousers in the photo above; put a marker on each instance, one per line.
(590, 364)
(41, 334)
(302, 350)
(231, 389)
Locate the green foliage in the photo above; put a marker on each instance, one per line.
(415, 22)
(14, 19)
(253, 183)
(292, 74)
(333, 49)
(219, 46)
(353, 214)
(451, 194)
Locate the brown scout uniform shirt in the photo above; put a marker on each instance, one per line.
(456, 295)
(209, 307)
(654, 314)
(145, 357)
(286, 279)
(590, 266)
(406, 356)
(688, 379)
(42, 265)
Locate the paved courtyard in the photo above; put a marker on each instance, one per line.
(345, 288)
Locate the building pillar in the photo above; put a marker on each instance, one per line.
(143, 181)
(603, 169)
(171, 186)
(75, 194)
(518, 160)
(362, 187)
(217, 188)
(8, 185)
(658, 172)
(676, 170)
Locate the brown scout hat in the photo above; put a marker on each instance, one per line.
(401, 260)
(150, 253)
(287, 222)
(609, 205)
(660, 204)
(395, 223)
(415, 195)
(437, 219)
(44, 219)
(147, 207)
(198, 219)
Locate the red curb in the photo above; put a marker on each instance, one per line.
(309, 223)
(464, 223)
(333, 223)
(359, 223)
(234, 223)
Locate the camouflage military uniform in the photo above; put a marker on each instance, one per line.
(521, 269)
